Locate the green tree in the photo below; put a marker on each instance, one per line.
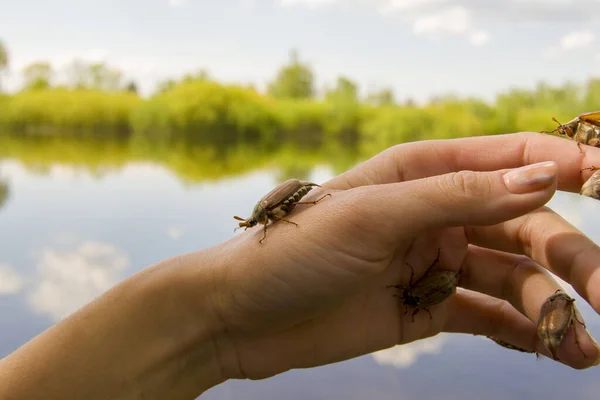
(94, 76)
(345, 90)
(383, 97)
(200, 75)
(103, 77)
(591, 100)
(3, 60)
(293, 81)
(37, 75)
(131, 87)
(165, 86)
(3, 193)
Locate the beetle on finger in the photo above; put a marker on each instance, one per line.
(431, 289)
(557, 315)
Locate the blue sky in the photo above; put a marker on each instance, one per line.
(419, 47)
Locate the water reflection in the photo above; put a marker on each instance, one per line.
(66, 280)
(406, 355)
(10, 280)
(3, 193)
(82, 217)
(191, 161)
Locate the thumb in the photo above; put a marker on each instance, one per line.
(471, 198)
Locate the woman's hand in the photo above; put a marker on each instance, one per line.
(319, 293)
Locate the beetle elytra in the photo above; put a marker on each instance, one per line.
(431, 289)
(557, 315)
(279, 202)
(591, 188)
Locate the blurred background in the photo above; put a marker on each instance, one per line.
(132, 131)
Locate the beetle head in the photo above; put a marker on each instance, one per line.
(567, 129)
(246, 223)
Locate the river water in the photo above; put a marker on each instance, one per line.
(69, 231)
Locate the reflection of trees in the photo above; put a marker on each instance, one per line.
(3, 193)
(190, 160)
(301, 172)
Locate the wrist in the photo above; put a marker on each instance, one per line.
(183, 329)
(154, 335)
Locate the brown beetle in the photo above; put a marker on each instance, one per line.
(278, 203)
(510, 346)
(557, 315)
(584, 129)
(431, 289)
(591, 188)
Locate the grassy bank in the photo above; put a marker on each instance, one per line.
(64, 111)
(207, 111)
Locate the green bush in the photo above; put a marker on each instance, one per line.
(65, 111)
(204, 109)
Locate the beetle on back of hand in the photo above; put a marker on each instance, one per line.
(278, 203)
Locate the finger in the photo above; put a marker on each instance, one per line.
(514, 278)
(552, 242)
(526, 286)
(427, 158)
(480, 314)
(456, 199)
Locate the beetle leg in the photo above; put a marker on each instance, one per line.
(284, 220)
(577, 319)
(415, 313)
(316, 201)
(412, 272)
(430, 316)
(394, 286)
(265, 234)
(592, 168)
(434, 261)
(577, 342)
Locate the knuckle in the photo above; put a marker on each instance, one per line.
(520, 269)
(471, 184)
(498, 318)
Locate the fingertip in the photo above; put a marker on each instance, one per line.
(531, 178)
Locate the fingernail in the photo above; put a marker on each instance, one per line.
(531, 178)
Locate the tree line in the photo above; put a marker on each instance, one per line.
(96, 99)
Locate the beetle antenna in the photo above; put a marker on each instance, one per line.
(552, 131)
(238, 218)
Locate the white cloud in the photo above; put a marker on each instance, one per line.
(407, 354)
(174, 233)
(393, 6)
(308, 3)
(572, 41)
(576, 40)
(10, 281)
(479, 38)
(69, 280)
(453, 20)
